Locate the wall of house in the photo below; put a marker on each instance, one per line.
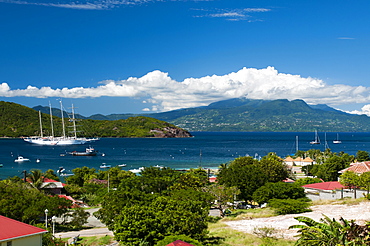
(315, 195)
(35, 240)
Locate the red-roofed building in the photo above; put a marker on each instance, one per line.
(358, 167)
(16, 233)
(212, 179)
(333, 185)
(179, 243)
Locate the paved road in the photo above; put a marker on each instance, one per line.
(99, 228)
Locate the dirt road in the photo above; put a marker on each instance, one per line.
(359, 212)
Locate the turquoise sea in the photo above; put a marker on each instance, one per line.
(206, 149)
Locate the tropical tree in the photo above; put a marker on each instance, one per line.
(330, 232)
(364, 181)
(328, 171)
(362, 155)
(81, 176)
(349, 179)
(274, 167)
(279, 190)
(224, 196)
(19, 202)
(248, 174)
(307, 180)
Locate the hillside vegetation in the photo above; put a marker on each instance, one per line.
(17, 121)
(241, 114)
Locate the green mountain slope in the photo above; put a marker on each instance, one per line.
(17, 120)
(242, 114)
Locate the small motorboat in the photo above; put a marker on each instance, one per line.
(1, 165)
(60, 170)
(105, 166)
(21, 159)
(122, 165)
(38, 160)
(66, 174)
(137, 170)
(88, 152)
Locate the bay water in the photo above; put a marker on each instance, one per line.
(205, 149)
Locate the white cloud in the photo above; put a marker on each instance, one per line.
(164, 93)
(86, 4)
(346, 38)
(364, 110)
(232, 15)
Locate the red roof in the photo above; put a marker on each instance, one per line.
(179, 243)
(212, 179)
(333, 185)
(12, 229)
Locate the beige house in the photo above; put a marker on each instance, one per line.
(16, 233)
(298, 161)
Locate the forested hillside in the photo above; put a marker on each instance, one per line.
(241, 114)
(17, 121)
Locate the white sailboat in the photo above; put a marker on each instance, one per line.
(62, 140)
(337, 141)
(317, 140)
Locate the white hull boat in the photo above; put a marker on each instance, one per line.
(21, 159)
(62, 140)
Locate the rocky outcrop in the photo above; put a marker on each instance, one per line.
(170, 132)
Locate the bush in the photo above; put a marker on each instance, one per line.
(289, 206)
(279, 190)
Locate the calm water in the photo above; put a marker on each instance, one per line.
(206, 149)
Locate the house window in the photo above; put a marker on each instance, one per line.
(9, 243)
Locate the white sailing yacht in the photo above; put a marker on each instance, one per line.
(317, 140)
(337, 141)
(62, 140)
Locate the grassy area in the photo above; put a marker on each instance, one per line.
(245, 214)
(229, 237)
(96, 241)
(347, 201)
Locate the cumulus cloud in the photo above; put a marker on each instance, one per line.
(165, 93)
(364, 110)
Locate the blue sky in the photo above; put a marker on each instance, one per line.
(149, 56)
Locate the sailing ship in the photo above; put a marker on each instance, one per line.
(337, 141)
(62, 140)
(317, 140)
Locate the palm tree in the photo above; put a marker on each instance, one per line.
(329, 232)
(36, 180)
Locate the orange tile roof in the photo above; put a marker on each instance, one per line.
(358, 167)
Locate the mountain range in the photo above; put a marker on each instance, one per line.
(241, 114)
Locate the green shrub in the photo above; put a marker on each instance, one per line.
(289, 206)
(279, 190)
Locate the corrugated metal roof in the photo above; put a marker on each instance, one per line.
(333, 185)
(12, 229)
(179, 243)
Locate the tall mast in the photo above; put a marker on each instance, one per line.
(296, 143)
(51, 121)
(64, 128)
(41, 134)
(74, 122)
